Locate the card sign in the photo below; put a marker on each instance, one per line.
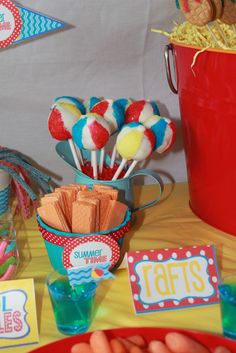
(91, 250)
(18, 321)
(10, 23)
(173, 278)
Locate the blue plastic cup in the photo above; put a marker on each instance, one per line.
(72, 307)
(227, 292)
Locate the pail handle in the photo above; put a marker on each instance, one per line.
(169, 48)
(158, 181)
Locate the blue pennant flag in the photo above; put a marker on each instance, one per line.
(35, 24)
(90, 273)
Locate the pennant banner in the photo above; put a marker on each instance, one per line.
(90, 273)
(18, 24)
(35, 24)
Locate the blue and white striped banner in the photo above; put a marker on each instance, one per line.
(35, 24)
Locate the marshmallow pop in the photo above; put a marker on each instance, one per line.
(60, 123)
(71, 100)
(135, 141)
(113, 114)
(90, 103)
(91, 132)
(140, 111)
(164, 130)
(124, 103)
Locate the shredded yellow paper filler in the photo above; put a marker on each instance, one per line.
(215, 35)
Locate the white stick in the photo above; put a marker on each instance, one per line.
(101, 162)
(74, 154)
(130, 169)
(213, 36)
(79, 154)
(94, 164)
(234, 29)
(113, 157)
(222, 33)
(119, 170)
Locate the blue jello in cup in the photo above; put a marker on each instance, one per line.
(72, 306)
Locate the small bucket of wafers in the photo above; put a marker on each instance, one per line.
(82, 227)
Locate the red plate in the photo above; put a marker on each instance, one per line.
(149, 333)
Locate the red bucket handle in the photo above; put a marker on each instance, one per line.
(169, 49)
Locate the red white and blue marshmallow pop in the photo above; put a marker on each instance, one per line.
(71, 100)
(140, 111)
(90, 103)
(134, 142)
(164, 130)
(76, 107)
(91, 132)
(61, 120)
(124, 103)
(113, 114)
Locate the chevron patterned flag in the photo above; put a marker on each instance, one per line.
(35, 24)
(91, 273)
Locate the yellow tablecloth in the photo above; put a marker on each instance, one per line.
(170, 223)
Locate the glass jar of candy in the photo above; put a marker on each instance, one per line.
(9, 255)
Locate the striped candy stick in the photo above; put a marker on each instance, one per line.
(8, 261)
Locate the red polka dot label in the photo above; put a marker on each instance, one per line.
(90, 250)
(10, 23)
(173, 278)
(61, 240)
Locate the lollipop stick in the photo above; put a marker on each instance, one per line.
(222, 33)
(119, 170)
(213, 36)
(113, 157)
(234, 29)
(130, 169)
(74, 154)
(101, 162)
(79, 155)
(94, 164)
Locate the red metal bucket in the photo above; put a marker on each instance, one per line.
(207, 97)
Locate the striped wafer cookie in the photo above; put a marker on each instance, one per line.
(113, 193)
(83, 217)
(79, 187)
(69, 196)
(96, 203)
(104, 204)
(52, 215)
(229, 12)
(114, 216)
(85, 194)
(54, 195)
(198, 12)
(98, 187)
